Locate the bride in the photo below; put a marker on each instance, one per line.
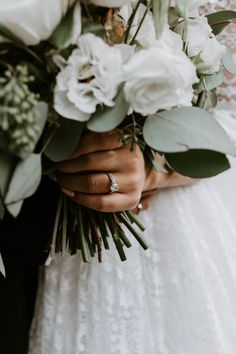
(179, 297)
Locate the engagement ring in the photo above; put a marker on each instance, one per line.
(114, 185)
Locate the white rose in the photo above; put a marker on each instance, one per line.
(202, 45)
(35, 20)
(158, 79)
(91, 77)
(110, 3)
(170, 40)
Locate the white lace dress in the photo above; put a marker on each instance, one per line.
(179, 297)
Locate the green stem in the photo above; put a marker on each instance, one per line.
(132, 230)
(131, 20)
(84, 245)
(133, 219)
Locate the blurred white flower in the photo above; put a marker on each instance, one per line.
(91, 77)
(146, 34)
(202, 45)
(157, 79)
(110, 3)
(35, 20)
(192, 6)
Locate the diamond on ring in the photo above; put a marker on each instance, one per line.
(114, 185)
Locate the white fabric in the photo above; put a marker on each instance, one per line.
(179, 297)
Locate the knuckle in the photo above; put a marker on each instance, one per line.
(91, 182)
(134, 200)
(101, 204)
(136, 183)
(110, 154)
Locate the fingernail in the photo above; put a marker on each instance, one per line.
(68, 192)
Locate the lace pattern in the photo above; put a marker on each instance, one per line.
(176, 298)
(179, 297)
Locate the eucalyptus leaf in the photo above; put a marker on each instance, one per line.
(65, 140)
(12, 37)
(198, 163)
(160, 13)
(2, 209)
(15, 208)
(7, 164)
(209, 82)
(108, 118)
(42, 112)
(181, 9)
(63, 35)
(2, 268)
(95, 28)
(221, 19)
(25, 179)
(187, 128)
(228, 61)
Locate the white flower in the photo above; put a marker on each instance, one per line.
(202, 45)
(158, 79)
(35, 20)
(192, 6)
(110, 3)
(91, 77)
(146, 35)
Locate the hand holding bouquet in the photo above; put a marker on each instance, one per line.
(148, 70)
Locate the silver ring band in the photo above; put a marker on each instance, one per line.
(114, 185)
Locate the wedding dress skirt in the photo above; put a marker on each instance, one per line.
(179, 297)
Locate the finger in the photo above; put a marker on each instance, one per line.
(108, 202)
(92, 142)
(112, 160)
(97, 183)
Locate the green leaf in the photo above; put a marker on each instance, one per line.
(25, 180)
(7, 164)
(42, 112)
(2, 211)
(108, 118)
(63, 34)
(181, 9)
(2, 268)
(228, 61)
(160, 13)
(209, 82)
(65, 140)
(198, 163)
(187, 128)
(15, 208)
(95, 28)
(221, 19)
(12, 37)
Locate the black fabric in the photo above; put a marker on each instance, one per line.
(23, 242)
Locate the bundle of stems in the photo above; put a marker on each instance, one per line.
(79, 228)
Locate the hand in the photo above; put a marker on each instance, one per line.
(84, 178)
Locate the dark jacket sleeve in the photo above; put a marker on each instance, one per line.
(23, 241)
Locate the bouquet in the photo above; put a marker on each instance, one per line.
(146, 68)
